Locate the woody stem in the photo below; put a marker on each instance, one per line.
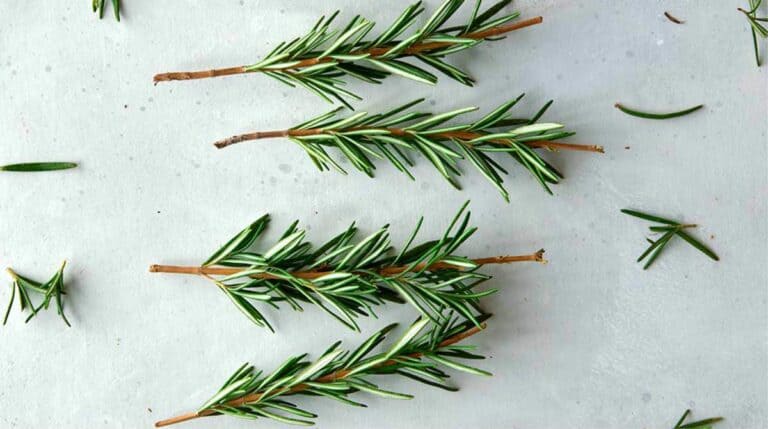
(460, 135)
(313, 274)
(373, 52)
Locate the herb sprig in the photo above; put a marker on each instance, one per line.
(52, 291)
(337, 374)
(38, 166)
(361, 138)
(320, 60)
(668, 230)
(99, 5)
(701, 424)
(757, 26)
(347, 277)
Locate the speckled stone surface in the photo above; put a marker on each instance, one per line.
(588, 341)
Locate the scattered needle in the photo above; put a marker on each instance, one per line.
(701, 424)
(648, 115)
(38, 166)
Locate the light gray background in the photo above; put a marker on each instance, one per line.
(588, 341)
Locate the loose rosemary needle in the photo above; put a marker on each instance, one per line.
(38, 166)
(648, 115)
(669, 229)
(701, 424)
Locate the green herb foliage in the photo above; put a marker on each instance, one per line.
(38, 166)
(322, 59)
(51, 291)
(362, 138)
(701, 424)
(648, 115)
(99, 5)
(337, 374)
(757, 25)
(668, 230)
(354, 275)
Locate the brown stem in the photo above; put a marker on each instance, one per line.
(313, 274)
(565, 146)
(460, 135)
(374, 53)
(336, 375)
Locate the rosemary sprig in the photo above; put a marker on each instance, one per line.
(756, 23)
(385, 136)
(38, 166)
(347, 277)
(648, 115)
(337, 374)
(669, 229)
(321, 59)
(98, 6)
(52, 290)
(701, 424)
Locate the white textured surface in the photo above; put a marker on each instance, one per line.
(589, 341)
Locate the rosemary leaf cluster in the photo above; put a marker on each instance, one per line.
(393, 135)
(668, 230)
(346, 276)
(322, 59)
(51, 291)
(338, 374)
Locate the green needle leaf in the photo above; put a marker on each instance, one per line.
(697, 244)
(38, 166)
(648, 115)
(651, 218)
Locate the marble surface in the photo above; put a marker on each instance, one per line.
(588, 341)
